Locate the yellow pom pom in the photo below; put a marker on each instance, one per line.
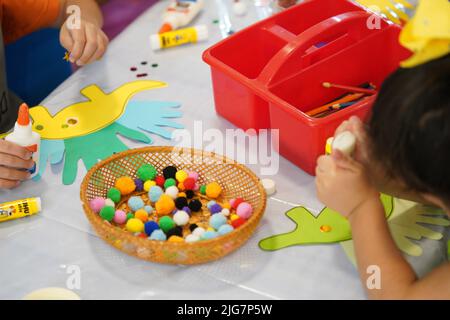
(142, 215)
(234, 217)
(213, 190)
(226, 205)
(148, 184)
(182, 195)
(181, 186)
(210, 229)
(165, 205)
(125, 185)
(181, 175)
(176, 239)
(135, 225)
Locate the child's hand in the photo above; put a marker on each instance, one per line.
(14, 161)
(341, 183)
(85, 44)
(356, 126)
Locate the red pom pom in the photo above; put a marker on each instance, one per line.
(238, 222)
(189, 183)
(237, 202)
(160, 181)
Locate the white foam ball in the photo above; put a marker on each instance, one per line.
(198, 231)
(109, 203)
(172, 192)
(225, 212)
(181, 218)
(192, 238)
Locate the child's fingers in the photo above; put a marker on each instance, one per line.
(13, 174)
(343, 161)
(90, 46)
(101, 48)
(15, 150)
(15, 162)
(79, 40)
(66, 40)
(8, 184)
(324, 163)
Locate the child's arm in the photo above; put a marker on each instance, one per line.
(343, 186)
(86, 43)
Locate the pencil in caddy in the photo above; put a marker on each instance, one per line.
(271, 74)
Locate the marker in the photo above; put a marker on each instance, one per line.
(19, 209)
(349, 88)
(180, 13)
(347, 98)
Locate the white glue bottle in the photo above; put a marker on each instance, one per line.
(180, 13)
(344, 142)
(24, 136)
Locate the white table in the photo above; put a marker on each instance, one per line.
(35, 252)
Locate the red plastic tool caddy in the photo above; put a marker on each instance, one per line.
(271, 73)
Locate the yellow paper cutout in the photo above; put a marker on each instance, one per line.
(393, 10)
(427, 35)
(83, 118)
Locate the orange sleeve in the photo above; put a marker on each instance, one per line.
(20, 18)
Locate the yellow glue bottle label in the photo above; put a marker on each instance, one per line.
(19, 209)
(178, 37)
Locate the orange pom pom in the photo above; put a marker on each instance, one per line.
(125, 185)
(142, 215)
(165, 205)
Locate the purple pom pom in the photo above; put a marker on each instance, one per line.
(215, 208)
(139, 185)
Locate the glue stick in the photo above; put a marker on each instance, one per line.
(180, 13)
(179, 37)
(19, 209)
(24, 136)
(344, 142)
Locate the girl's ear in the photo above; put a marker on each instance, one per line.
(437, 202)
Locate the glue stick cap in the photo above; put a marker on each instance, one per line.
(38, 203)
(202, 32)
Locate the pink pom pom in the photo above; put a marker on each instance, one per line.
(97, 204)
(193, 175)
(196, 187)
(244, 210)
(120, 217)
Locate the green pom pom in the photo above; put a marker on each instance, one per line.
(166, 223)
(169, 183)
(203, 189)
(107, 213)
(114, 195)
(130, 216)
(147, 172)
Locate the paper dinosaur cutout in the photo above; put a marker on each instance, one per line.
(83, 132)
(83, 118)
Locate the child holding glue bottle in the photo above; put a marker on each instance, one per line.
(86, 43)
(406, 149)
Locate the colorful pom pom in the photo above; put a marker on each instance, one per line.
(148, 185)
(192, 238)
(135, 225)
(120, 217)
(150, 226)
(149, 209)
(114, 195)
(195, 205)
(176, 239)
(203, 189)
(181, 175)
(155, 193)
(225, 212)
(193, 175)
(189, 183)
(199, 231)
(210, 204)
(192, 227)
(169, 172)
(236, 202)
(238, 222)
(215, 208)
(109, 203)
(224, 229)
(107, 213)
(172, 192)
(142, 215)
(181, 186)
(135, 203)
(125, 185)
(190, 194)
(139, 185)
(159, 180)
(187, 210)
(158, 235)
(130, 216)
(181, 202)
(169, 183)
(181, 218)
(147, 172)
(166, 223)
(97, 204)
(244, 210)
(234, 217)
(217, 220)
(175, 231)
(165, 205)
(213, 190)
(209, 235)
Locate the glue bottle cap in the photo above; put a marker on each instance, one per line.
(202, 32)
(24, 115)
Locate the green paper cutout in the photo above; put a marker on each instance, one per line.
(308, 229)
(96, 146)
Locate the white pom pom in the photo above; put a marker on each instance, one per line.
(240, 8)
(181, 218)
(172, 192)
(225, 212)
(269, 186)
(198, 231)
(109, 203)
(192, 238)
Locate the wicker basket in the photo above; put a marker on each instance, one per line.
(236, 180)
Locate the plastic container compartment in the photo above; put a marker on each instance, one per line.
(271, 73)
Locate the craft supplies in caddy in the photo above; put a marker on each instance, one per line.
(19, 209)
(271, 74)
(24, 136)
(179, 37)
(184, 230)
(180, 13)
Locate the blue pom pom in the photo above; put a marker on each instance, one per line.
(155, 193)
(224, 229)
(209, 235)
(149, 209)
(151, 226)
(217, 220)
(158, 235)
(135, 203)
(215, 208)
(210, 203)
(139, 185)
(187, 210)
